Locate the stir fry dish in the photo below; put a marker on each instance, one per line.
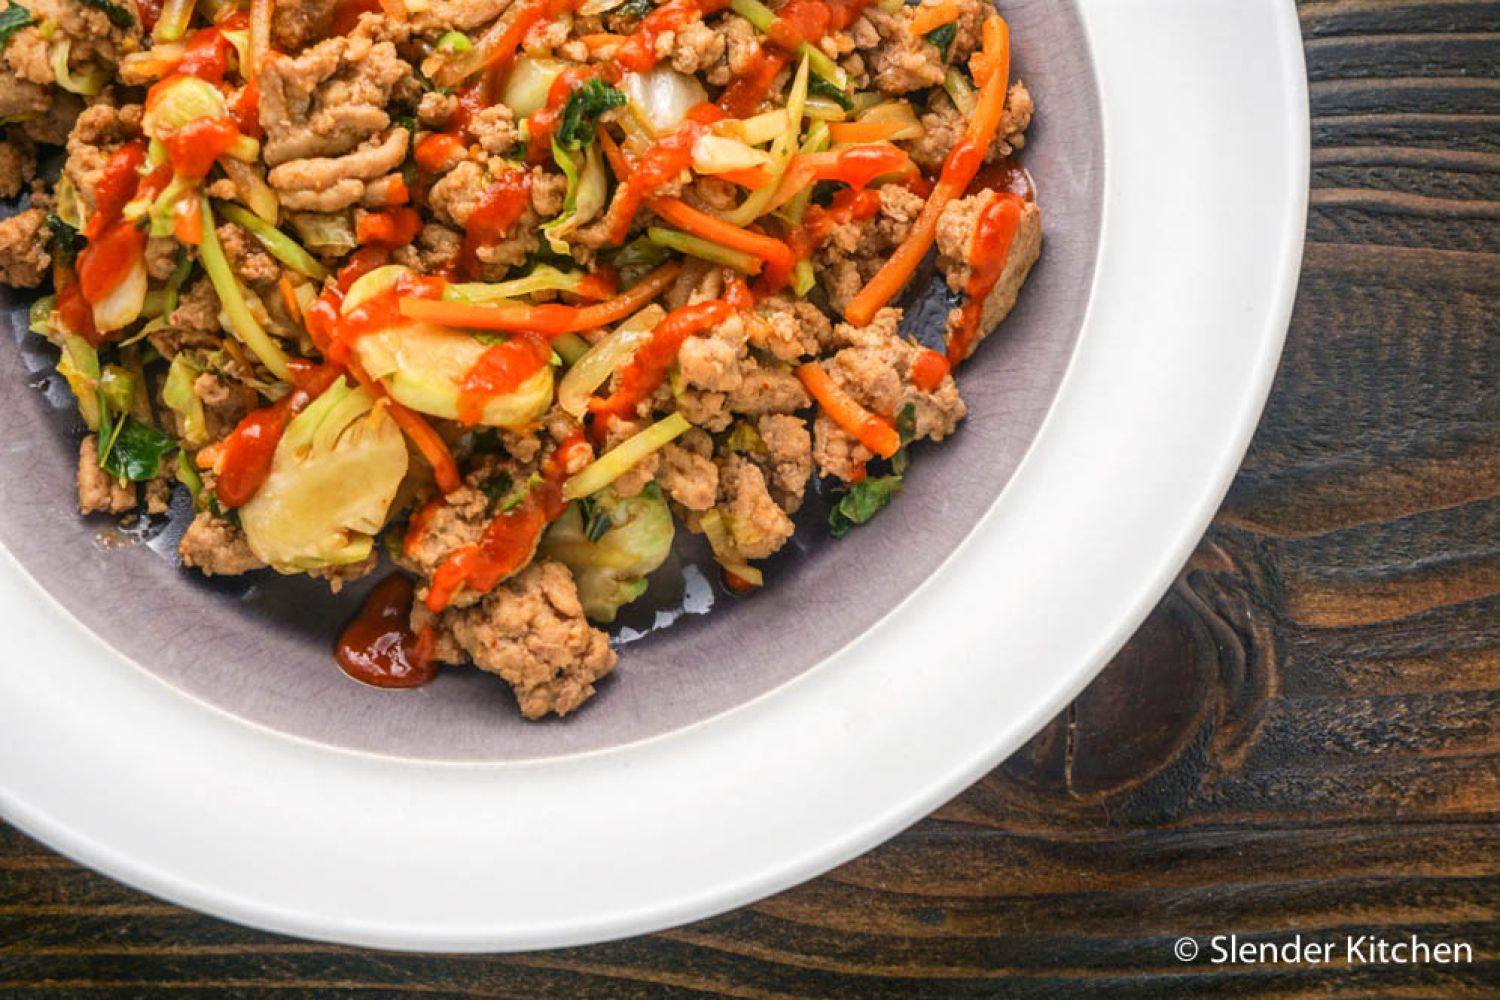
(507, 292)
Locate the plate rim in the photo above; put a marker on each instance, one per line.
(73, 825)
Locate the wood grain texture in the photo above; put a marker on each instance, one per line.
(1304, 737)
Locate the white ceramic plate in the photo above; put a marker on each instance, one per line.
(1205, 122)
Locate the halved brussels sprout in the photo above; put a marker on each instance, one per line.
(332, 481)
(423, 366)
(611, 569)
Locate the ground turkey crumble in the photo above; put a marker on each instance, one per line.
(530, 630)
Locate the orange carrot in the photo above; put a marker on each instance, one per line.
(855, 166)
(601, 40)
(958, 170)
(549, 319)
(863, 131)
(931, 18)
(289, 299)
(685, 216)
(428, 441)
(753, 178)
(628, 302)
(615, 155)
(843, 409)
(994, 53)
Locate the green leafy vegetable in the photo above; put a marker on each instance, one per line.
(634, 8)
(118, 16)
(12, 19)
(942, 36)
(497, 488)
(596, 518)
(746, 440)
(906, 429)
(863, 501)
(611, 544)
(817, 85)
(580, 117)
(453, 43)
(136, 452)
(69, 240)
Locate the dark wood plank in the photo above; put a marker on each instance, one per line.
(1303, 738)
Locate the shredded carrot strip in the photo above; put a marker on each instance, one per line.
(614, 154)
(428, 441)
(549, 319)
(994, 53)
(681, 214)
(843, 409)
(931, 18)
(753, 178)
(863, 131)
(958, 170)
(628, 302)
(601, 40)
(289, 299)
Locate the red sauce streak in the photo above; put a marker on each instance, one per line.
(206, 55)
(378, 647)
(436, 151)
(638, 51)
(1006, 177)
(114, 244)
(848, 205)
(510, 539)
(116, 187)
(500, 207)
(244, 108)
(195, 147)
(994, 231)
(245, 457)
(105, 262)
(500, 371)
(744, 95)
(245, 460)
(347, 14)
(392, 228)
(797, 22)
(929, 370)
(150, 13)
(76, 313)
(653, 359)
(334, 332)
(662, 164)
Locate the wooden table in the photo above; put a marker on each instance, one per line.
(1304, 737)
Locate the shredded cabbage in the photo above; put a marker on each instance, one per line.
(277, 244)
(610, 543)
(588, 191)
(595, 367)
(623, 457)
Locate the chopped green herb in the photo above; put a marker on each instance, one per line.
(513, 501)
(497, 488)
(747, 440)
(118, 16)
(942, 36)
(634, 8)
(817, 85)
(863, 501)
(69, 240)
(580, 117)
(136, 452)
(596, 519)
(453, 43)
(906, 429)
(12, 19)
